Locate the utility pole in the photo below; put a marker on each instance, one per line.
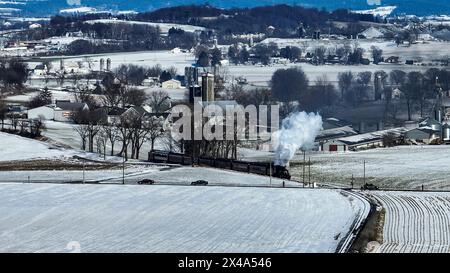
(123, 170)
(309, 172)
(352, 183)
(304, 162)
(364, 172)
(84, 167)
(270, 174)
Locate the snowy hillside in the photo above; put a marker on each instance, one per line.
(46, 7)
(18, 148)
(402, 167)
(50, 218)
(380, 11)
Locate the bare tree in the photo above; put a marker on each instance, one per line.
(124, 127)
(84, 94)
(155, 129)
(112, 133)
(101, 140)
(345, 80)
(91, 121)
(159, 101)
(83, 132)
(113, 95)
(3, 111)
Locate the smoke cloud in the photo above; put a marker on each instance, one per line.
(298, 131)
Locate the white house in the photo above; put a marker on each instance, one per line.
(61, 111)
(171, 84)
(40, 70)
(43, 112)
(64, 110)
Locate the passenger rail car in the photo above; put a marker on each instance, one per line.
(220, 163)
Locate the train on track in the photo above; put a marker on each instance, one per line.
(261, 168)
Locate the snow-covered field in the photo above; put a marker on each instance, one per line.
(108, 218)
(144, 58)
(164, 27)
(415, 222)
(428, 51)
(18, 148)
(24, 98)
(186, 175)
(402, 167)
(261, 75)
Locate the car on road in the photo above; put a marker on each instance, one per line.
(199, 183)
(369, 187)
(146, 182)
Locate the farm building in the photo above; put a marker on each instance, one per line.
(362, 141)
(46, 112)
(333, 145)
(64, 110)
(335, 133)
(61, 111)
(371, 33)
(114, 114)
(151, 82)
(422, 135)
(171, 84)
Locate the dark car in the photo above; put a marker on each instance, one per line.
(146, 182)
(369, 187)
(199, 183)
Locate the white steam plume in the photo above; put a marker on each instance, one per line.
(298, 131)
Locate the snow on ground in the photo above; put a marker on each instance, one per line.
(108, 218)
(379, 11)
(64, 133)
(69, 176)
(18, 148)
(164, 27)
(415, 222)
(180, 94)
(144, 58)
(186, 175)
(56, 95)
(401, 167)
(428, 51)
(260, 75)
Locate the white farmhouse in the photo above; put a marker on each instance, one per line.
(64, 110)
(171, 84)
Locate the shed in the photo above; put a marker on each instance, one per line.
(44, 112)
(171, 84)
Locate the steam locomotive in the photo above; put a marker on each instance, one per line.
(260, 168)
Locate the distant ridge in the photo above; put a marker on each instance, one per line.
(49, 7)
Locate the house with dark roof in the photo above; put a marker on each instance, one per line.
(425, 135)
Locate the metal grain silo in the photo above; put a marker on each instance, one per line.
(446, 132)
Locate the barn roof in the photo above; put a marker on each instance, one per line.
(372, 136)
